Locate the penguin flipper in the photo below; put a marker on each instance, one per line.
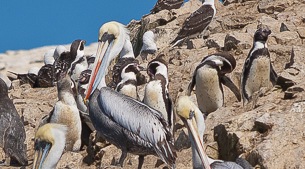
(191, 86)
(228, 82)
(273, 75)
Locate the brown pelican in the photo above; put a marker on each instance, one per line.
(166, 4)
(156, 90)
(12, 133)
(257, 70)
(123, 121)
(49, 145)
(66, 112)
(194, 121)
(208, 77)
(197, 22)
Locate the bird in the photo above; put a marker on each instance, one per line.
(58, 51)
(45, 76)
(63, 63)
(27, 78)
(125, 76)
(197, 22)
(156, 94)
(49, 145)
(65, 112)
(193, 119)
(208, 78)
(149, 46)
(12, 132)
(130, 125)
(48, 57)
(257, 70)
(166, 4)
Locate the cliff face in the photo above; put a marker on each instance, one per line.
(272, 135)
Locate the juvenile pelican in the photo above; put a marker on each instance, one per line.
(208, 77)
(194, 121)
(49, 145)
(123, 121)
(12, 133)
(156, 90)
(65, 112)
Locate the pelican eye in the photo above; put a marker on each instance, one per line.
(107, 37)
(192, 114)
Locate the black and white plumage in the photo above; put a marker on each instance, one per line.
(156, 93)
(194, 121)
(125, 76)
(208, 78)
(12, 132)
(28, 78)
(166, 4)
(257, 71)
(130, 125)
(48, 57)
(63, 63)
(149, 46)
(197, 22)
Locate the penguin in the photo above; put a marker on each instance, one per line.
(156, 94)
(12, 132)
(28, 78)
(257, 70)
(125, 76)
(208, 78)
(65, 112)
(63, 63)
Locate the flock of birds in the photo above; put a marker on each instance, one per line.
(141, 127)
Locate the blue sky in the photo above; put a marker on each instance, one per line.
(35, 23)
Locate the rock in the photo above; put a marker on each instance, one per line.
(236, 21)
(284, 28)
(228, 143)
(263, 124)
(270, 6)
(216, 41)
(238, 41)
(2, 66)
(273, 24)
(288, 38)
(301, 32)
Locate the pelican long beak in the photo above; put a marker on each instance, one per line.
(42, 149)
(198, 142)
(100, 63)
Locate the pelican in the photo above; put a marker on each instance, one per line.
(12, 133)
(123, 121)
(194, 121)
(49, 145)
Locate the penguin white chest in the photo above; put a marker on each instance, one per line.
(129, 90)
(208, 90)
(259, 75)
(154, 97)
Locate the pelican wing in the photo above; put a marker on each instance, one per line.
(139, 119)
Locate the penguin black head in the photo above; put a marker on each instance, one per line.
(77, 48)
(225, 61)
(84, 76)
(262, 33)
(153, 66)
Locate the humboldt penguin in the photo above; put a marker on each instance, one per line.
(257, 71)
(156, 93)
(125, 75)
(65, 112)
(63, 63)
(12, 132)
(49, 145)
(208, 77)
